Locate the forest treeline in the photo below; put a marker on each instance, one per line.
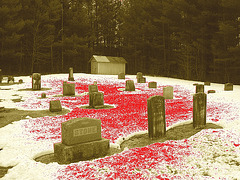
(189, 39)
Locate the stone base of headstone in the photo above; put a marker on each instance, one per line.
(211, 91)
(168, 92)
(121, 76)
(152, 84)
(43, 95)
(200, 88)
(156, 117)
(207, 83)
(68, 89)
(199, 110)
(55, 106)
(130, 85)
(96, 99)
(68, 154)
(228, 87)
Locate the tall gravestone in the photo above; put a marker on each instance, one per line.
(228, 87)
(1, 76)
(70, 77)
(81, 140)
(68, 89)
(130, 85)
(55, 106)
(199, 110)
(200, 88)
(36, 81)
(121, 76)
(156, 117)
(168, 92)
(152, 84)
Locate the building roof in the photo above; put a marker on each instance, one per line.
(107, 59)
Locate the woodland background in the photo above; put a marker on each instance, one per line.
(189, 39)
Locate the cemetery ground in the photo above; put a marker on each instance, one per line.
(28, 131)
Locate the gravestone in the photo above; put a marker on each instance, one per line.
(139, 75)
(68, 89)
(156, 116)
(96, 99)
(1, 76)
(20, 81)
(207, 83)
(141, 80)
(70, 77)
(36, 81)
(55, 106)
(10, 78)
(228, 87)
(43, 95)
(168, 92)
(130, 85)
(199, 110)
(92, 88)
(81, 140)
(152, 84)
(200, 88)
(211, 91)
(121, 76)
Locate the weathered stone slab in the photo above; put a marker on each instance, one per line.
(199, 110)
(92, 88)
(96, 99)
(211, 91)
(228, 87)
(55, 106)
(168, 92)
(207, 83)
(68, 89)
(81, 130)
(156, 117)
(121, 76)
(130, 85)
(70, 76)
(68, 154)
(36, 81)
(152, 84)
(43, 95)
(200, 88)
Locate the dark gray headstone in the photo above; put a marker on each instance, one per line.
(68, 89)
(55, 106)
(121, 76)
(152, 84)
(130, 85)
(200, 88)
(92, 88)
(96, 99)
(199, 110)
(168, 92)
(228, 87)
(156, 117)
(36, 81)
(70, 76)
(81, 130)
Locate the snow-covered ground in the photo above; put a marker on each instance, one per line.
(209, 154)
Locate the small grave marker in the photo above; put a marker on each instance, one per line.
(121, 76)
(36, 81)
(156, 117)
(228, 87)
(130, 85)
(199, 110)
(70, 77)
(68, 89)
(43, 95)
(55, 106)
(20, 81)
(152, 84)
(96, 99)
(200, 88)
(168, 92)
